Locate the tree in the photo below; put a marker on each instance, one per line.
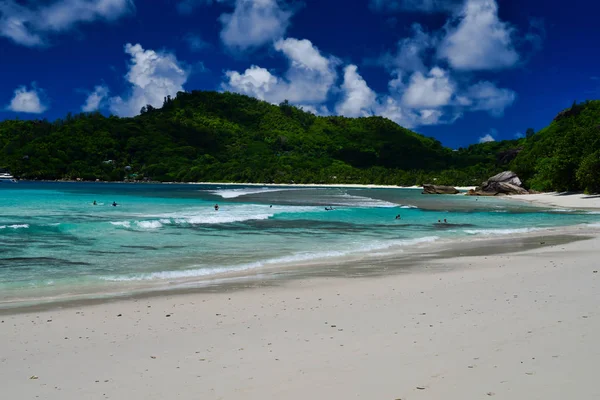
(529, 133)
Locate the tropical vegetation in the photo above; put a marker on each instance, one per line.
(225, 137)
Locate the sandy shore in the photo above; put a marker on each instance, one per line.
(348, 185)
(509, 326)
(563, 200)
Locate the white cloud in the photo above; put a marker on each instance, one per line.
(409, 56)
(429, 91)
(254, 23)
(358, 98)
(153, 76)
(30, 24)
(307, 81)
(485, 96)
(95, 99)
(480, 41)
(27, 101)
(488, 137)
(428, 6)
(255, 81)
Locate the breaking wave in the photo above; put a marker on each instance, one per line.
(285, 260)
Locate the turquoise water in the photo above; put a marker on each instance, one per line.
(54, 241)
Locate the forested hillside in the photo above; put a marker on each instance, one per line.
(210, 136)
(566, 154)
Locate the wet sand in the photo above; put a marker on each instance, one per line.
(520, 325)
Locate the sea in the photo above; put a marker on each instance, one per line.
(66, 240)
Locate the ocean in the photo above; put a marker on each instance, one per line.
(56, 244)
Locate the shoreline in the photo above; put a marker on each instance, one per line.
(397, 260)
(516, 325)
(574, 201)
(307, 185)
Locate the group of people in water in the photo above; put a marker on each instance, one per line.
(114, 203)
(330, 208)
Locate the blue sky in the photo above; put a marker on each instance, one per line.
(458, 70)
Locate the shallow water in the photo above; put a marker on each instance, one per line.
(55, 242)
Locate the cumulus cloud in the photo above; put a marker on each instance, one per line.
(410, 52)
(27, 101)
(486, 96)
(427, 6)
(153, 76)
(254, 23)
(429, 91)
(422, 90)
(307, 81)
(488, 137)
(30, 24)
(479, 41)
(95, 99)
(358, 98)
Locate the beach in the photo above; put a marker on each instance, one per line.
(512, 317)
(509, 326)
(563, 200)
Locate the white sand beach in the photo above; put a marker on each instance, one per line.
(299, 185)
(510, 326)
(578, 201)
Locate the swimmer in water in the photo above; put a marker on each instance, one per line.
(398, 216)
(94, 203)
(445, 221)
(114, 204)
(216, 207)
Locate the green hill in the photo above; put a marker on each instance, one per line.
(210, 136)
(566, 154)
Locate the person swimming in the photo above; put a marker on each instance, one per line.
(445, 221)
(94, 203)
(114, 204)
(398, 216)
(216, 207)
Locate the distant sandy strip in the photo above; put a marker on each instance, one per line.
(563, 200)
(510, 326)
(349, 185)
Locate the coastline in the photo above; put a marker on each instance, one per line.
(395, 260)
(308, 185)
(516, 325)
(575, 201)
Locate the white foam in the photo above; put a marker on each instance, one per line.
(149, 224)
(233, 193)
(490, 232)
(285, 260)
(17, 226)
(228, 214)
(350, 200)
(124, 224)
